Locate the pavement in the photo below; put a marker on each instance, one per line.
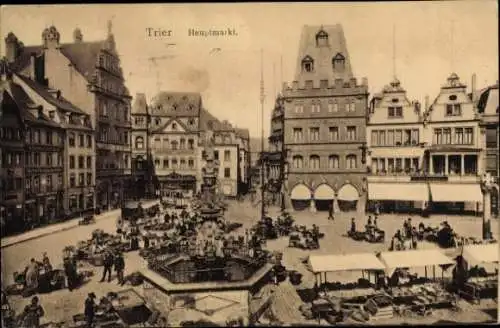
(55, 228)
(61, 305)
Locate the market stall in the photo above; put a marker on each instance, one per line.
(481, 263)
(411, 293)
(336, 301)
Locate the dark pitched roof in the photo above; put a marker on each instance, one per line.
(184, 127)
(243, 133)
(488, 101)
(176, 104)
(140, 104)
(24, 58)
(208, 121)
(83, 55)
(23, 102)
(323, 55)
(43, 91)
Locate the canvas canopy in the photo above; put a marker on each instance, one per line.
(413, 259)
(398, 191)
(456, 193)
(348, 262)
(477, 254)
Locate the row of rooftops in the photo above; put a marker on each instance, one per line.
(183, 104)
(325, 84)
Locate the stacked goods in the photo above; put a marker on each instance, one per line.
(380, 307)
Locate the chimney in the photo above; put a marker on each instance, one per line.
(33, 75)
(426, 104)
(473, 87)
(11, 47)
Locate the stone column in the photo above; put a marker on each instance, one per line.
(312, 206)
(335, 204)
(431, 164)
(486, 213)
(462, 164)
(446, 165)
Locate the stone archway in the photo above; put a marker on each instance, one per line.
(300, 196)
(348, 197)
(323, 197)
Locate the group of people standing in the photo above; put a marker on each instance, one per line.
(113, 259)
(409, 233)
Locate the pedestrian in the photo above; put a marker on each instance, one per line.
(377, 209)
(69, 270)
(146, 241)
(369, 220)
(46, 263)
(108, 265)
(32, 314)
(414, 239)
(32, 273)
(119, 267)
(89, 310)
(330, 213)
(375, 222)
(353, 225)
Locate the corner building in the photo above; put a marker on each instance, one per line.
(324, 125)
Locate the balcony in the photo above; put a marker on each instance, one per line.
(407, 176)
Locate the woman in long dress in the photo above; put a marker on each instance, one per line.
(32, 273)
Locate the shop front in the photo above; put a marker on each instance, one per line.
(394, 197)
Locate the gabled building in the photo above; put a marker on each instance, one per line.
(43, 160)
(174, 124)
(487, 107)
(324, 125)
(90, 76)
(243, 137)
(78, 140)
(395, 144)
(453, 161)
(12, 136)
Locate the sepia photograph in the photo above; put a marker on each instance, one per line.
(249, 164)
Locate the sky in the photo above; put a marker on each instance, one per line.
(424, 41)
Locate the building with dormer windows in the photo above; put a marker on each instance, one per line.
(395, 143)
(453, 161)
(324, 125)
(90, 76)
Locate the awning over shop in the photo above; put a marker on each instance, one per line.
(300, 192)
(478, 254)
(413, 259)
(456, 192)
(349, 262)
(348, 193)
(398, 191)
(403, 152)
(324, 192)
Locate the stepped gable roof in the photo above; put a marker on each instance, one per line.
(185, 104)
(23, 101)
(45, 93)
(323, 55)
(83, 55)
(140, 105)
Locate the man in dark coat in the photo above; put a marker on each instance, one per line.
(120, 267)
(330, 213)
(108, 265)
(353, 225)
(70, 271)
(89, 311)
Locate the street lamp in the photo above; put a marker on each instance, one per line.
(487, 184)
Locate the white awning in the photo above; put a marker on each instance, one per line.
(413, 259)
(300, 192)
(478, 254)
(398, 191)
(446, 192)
(348, 193)
(324, 192)
(348, 262)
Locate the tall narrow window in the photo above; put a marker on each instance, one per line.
(139, 143)
(333, 162)
(333, 133)
(351, 133)
(351, 161)
(468, 137)
(314, 162)
(374, 139)
(297, 134)
(333, 107)
(307, 64)
(338, 62)
(298, 162)
(321, 39)
(314, 134)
